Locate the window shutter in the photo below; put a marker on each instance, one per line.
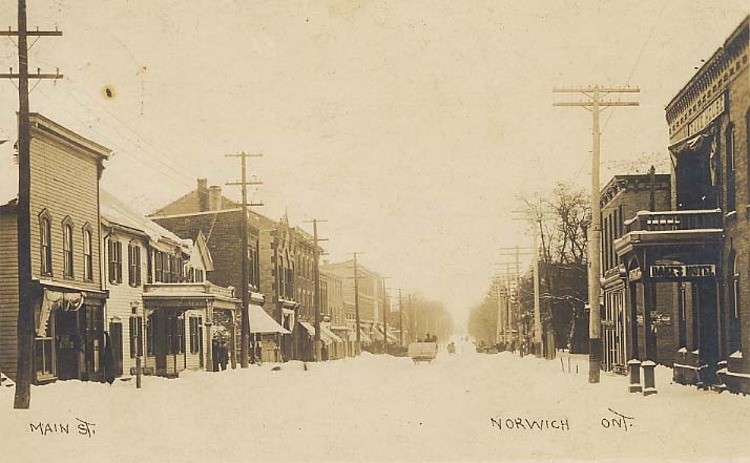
(138, 266)
(118, 268)
(110, 261)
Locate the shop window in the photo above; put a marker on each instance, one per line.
(88, 260)
(45, 231)
(150, 335)
(43, 357)
(176, 334)
(195, 323)
(735, 309)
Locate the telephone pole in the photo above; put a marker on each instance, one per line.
(356, 300)
(25, 329)
(316, 297)
(245, 287)
(537, 305)
(539, 216)
(385, 315)
(595, 104)
(412, 321)
(400, 320)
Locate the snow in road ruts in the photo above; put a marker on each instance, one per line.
(463, 407)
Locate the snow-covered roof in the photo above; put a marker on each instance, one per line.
(117, 212)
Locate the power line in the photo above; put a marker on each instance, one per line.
(595, 103)
(316, 301)
(25, 320)
(245, 332)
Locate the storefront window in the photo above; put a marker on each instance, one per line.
(43, 356)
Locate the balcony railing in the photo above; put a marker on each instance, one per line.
(675, 221)
(205, 287)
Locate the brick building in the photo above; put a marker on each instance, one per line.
(332, 303)
(701, 247)
(372, 300)
(621, 198)
(161, 307)
(273, 306)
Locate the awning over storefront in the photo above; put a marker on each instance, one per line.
(391, 337)
(343, 332)
(376, 335)
(262, 323)
(309, 328)
(328, 336)
(363, 337)
(53, 300)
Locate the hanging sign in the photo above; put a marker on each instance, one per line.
(666, 272)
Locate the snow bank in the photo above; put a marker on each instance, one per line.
(380, 408)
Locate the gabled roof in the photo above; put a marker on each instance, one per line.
(201, 246)
(115, 212)
(190, 203)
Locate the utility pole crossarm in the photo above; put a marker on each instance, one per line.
(595, 106)
(596, 88)
(244, 183)
(589, 104)
(36, 33)
(25, 320)
(38, 75)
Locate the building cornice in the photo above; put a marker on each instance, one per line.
(712, 78)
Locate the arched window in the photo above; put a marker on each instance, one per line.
(45, 246)
(88, 260)
(67, 248)
(731, 166)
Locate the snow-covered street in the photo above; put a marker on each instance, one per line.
(463, 407)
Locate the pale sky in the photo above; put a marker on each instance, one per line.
(411, 126)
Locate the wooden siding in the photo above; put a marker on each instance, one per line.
(122, 295)
(8, 294)
(66, 184)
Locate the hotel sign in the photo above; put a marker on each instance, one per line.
(672, 272)
(709, 113)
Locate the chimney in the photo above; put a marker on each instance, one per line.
(214, 198)
(202, 191)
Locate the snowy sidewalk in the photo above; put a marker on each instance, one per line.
(471, 407)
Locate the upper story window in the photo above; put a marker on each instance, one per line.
(167, 268)
(114, 256)
(731, 165)
(134, 264)
(67, 248)
(88, 260)
(45, 245)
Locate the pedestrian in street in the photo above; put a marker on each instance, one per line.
(215, 348)
(259, 352)
(109, 360)
(324, 352)
(223, 355)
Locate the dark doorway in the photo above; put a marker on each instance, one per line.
(68, 344)
(93, 342)
(115, 337)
